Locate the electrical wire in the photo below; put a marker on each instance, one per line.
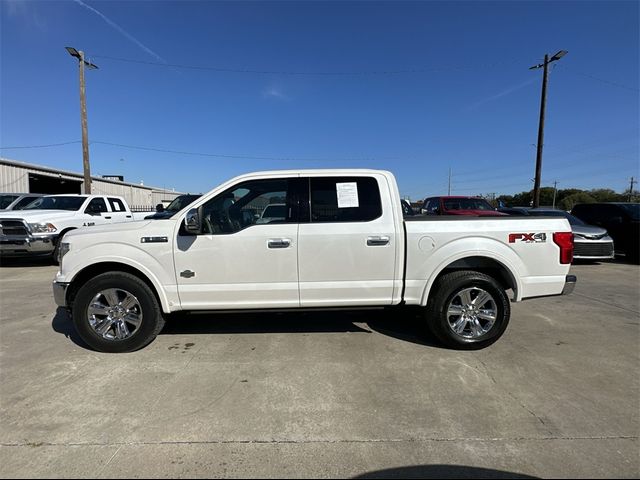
(310, 73)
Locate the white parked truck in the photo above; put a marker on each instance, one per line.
(38, 229)
(343, 243)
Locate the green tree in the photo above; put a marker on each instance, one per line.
(568, 202)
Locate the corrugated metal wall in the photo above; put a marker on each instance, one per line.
(15, 179)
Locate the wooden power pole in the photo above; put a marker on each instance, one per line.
(83, 116)
(543, 103)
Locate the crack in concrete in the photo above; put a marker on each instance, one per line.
(518, 401)
(318, 441)
(609, 304)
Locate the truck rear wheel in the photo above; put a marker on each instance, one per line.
(468, 310)
(117, 312)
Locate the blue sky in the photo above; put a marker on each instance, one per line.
(415, 88)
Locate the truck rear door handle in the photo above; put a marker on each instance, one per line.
(378, 241)
(279, 243)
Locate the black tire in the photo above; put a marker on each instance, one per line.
(151, 316)
(445, 294)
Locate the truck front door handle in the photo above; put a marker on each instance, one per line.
(378, 241)
(279, 243)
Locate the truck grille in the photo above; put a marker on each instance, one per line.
(13, 227)
(592, 249)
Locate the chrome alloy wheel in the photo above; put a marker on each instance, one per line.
(471, 313)
(114, 314)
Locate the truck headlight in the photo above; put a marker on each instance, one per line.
(63, 250)
(42, 227)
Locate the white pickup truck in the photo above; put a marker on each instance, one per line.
(343, 243)
(37, 229)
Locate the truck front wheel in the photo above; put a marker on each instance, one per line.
(468, 310)
(117, 312)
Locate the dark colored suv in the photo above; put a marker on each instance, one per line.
(622, 221)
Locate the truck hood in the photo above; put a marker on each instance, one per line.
(33, 216)
(115, 227)
(589, 231)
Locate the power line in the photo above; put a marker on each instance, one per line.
(311, 73)
(40, 146)
(609, 82)
(239, 156)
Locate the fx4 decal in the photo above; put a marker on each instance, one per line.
(528, 237)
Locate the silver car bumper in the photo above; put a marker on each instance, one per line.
(60, 293)
(569, 284)
(17, 245)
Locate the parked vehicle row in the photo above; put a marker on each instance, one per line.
(38, 228)
(621, 220)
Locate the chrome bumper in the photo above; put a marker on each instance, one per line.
(569, 284)
(15, 245)
(60, 293)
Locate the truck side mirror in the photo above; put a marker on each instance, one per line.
(159, 208)
(192, 221)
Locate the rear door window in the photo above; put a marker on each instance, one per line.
(344, 199)
(117, 205)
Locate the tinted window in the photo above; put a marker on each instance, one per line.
(243, 206)
(57, 203)
(432, 205)
(180, 202)
(117, 205)
(632, 209)
(6, 200)
(23, 202)
(466, 204)
(345, 199)
(96, 205)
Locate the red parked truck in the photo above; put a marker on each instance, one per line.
(459, 205)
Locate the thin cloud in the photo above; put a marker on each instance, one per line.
(121, 30)
(503, 93)
(273, 92)
(20, 9)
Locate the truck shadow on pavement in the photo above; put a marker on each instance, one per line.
(441, 471)
(20, 262)
(402, 324)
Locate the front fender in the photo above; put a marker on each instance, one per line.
(156, 266)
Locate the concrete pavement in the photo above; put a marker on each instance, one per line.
(325, 394)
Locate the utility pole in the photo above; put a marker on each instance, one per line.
(631, 188)
(555, 189)
(449, 190)
(83, 116)
(543, 102)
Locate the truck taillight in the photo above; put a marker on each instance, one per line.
(565, 241)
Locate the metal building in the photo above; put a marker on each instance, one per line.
(23, 177)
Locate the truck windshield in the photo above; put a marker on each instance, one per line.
(6, 200)
(180, 202)
(466, 204)
(56, 203)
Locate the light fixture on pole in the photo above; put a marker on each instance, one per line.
(543, 102)
(83, 115)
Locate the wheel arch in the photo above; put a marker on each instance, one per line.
(99, 268)
(482, 263)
